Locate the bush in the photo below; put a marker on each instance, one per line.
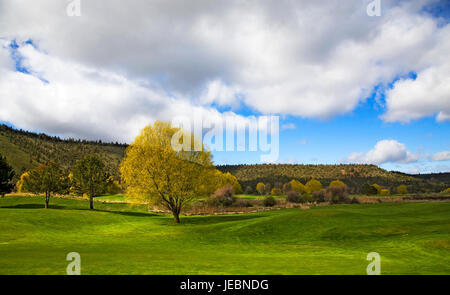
(287, 188)
(223, 196)
(447, 191)
(276, 192)
(269, 201)
(293, 197)
(319, 196)
(401, 189)
(260, 188)
(313, 186)
(368, 189)
(243, 203)
(248, 190)
(385, 192)
(377, 187)
(337, 195)
(336, 183)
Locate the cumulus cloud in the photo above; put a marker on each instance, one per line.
(385, 151)
(441, 156)
(73, 100)
(314, 59)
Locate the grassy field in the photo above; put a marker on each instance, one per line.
(113, 198)
(412, 238)
(255, 197)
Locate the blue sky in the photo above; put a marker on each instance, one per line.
(348, 88)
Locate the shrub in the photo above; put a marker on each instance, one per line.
(337, 195)
(401, 189)
(298, 186)
(243, 203)
(293, 197)
(276, 192)
(223, 196)
(447, 191)
(319, 196)
(287, 188)
(377, 187)
(268, 189)
(269, 201)
(248, 190)
(368, 189)
(336, 183)
(313, 186)
(385, 192)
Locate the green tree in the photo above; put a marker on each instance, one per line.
(46, 178)
(260, 188)
(164, 165)
(90, 178)
(368, 189)
(6, 176)
(401, 189)
(313, 186)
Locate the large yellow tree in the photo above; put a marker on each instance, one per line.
(156, 171)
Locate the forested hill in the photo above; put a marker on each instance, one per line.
(25, 150)
(353, 175)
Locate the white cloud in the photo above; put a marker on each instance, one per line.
(80, 101)
(441, 156)
(304, 58)
(385, 151)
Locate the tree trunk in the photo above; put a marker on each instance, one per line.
(176, 216)
(46, 200)
(91, 202)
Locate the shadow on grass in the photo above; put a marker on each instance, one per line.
(210, 219)
(125, 213)
(33, 206)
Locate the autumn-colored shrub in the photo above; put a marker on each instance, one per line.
(385, 192)
(401, 189)
(293, 197)
(223, 196)
(276, 192)
(269, 201)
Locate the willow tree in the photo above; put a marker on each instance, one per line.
(165, 166)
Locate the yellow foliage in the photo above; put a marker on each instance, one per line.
(19, 184)
(298, 186)
(336, 183)
(155, 171)
(313, 186)
(260, 188)
(377, 187)
(385, 192)
(401, 189)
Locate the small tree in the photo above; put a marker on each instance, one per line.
(223, 196)
(377, 187)
(276, 192)
(368, 189)
(336, 183)
(260, 188)
(401, 189)
(447, 191)
(298, 186)
(45, 179)
(313, 186)
(6, 176)
(287, 188)
(90, 178)
(385, 192)
(269, 201)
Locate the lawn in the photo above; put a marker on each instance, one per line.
(114, 198)
(412, 238)
(255, 197)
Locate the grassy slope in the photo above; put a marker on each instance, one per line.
(17, 158)
(412, 238)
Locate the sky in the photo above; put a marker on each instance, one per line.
(348, 87)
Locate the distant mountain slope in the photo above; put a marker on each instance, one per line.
(353, 175)
(25, 150)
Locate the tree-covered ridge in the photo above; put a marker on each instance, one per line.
(25, 150)
(354, 175)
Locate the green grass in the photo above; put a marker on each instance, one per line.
(115, 198)
(412, 238)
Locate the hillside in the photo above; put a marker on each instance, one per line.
(353, 175)
(25, 150)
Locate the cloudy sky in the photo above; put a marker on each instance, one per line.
(348, 87)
